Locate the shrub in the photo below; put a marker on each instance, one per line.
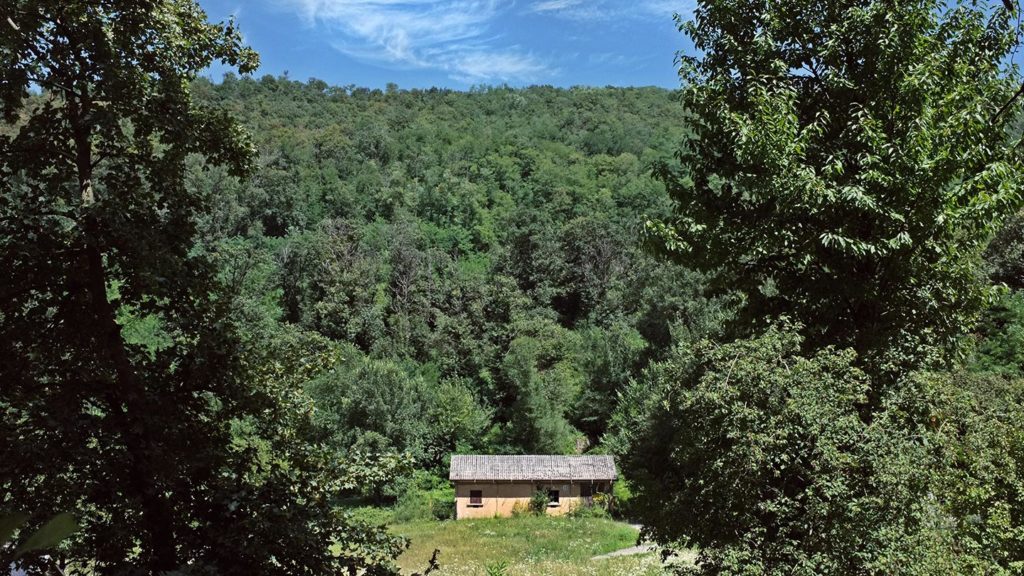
(419, 504)
(414, 504)
(373, 515)
(764, 461)
(442, 504)
(774, 471)
(539, 502)
(595, 510)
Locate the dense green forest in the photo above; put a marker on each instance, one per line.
(475, 258)
(788, 296)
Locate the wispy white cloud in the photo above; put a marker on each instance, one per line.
(612, 9)
(573, 9)
(617, 59)
(449, 35)
(556, 5)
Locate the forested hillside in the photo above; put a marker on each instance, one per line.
(474, 259)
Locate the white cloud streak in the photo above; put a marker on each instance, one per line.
(448, 35)
(612, 9)
(555, 5)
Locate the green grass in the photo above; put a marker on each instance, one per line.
(533, 546)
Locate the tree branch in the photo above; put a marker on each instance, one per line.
(1006, 106)
(433, 565)
(46, 82)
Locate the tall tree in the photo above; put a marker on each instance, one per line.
(149, 434)
(847, 165)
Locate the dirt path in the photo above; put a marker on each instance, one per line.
(683, 557)
(632, 550)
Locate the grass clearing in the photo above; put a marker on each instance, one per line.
(533, 546)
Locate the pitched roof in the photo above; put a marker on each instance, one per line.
(532, 468)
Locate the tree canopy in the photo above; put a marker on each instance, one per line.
(846, 165)
(129, 397)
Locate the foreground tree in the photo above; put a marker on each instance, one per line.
(847, 165)
(127, 397)
(772, 470)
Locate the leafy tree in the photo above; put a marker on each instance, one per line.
(673, 306)
(846, 166)
(279, 509)
(372, 473)
(609, 358)
(174, 442)
(456, 422)
(541, 379)
(758, 456)
(363, 395)
(593, 268)
(373, 407)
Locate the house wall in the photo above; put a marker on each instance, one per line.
(499, 498)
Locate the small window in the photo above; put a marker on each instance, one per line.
(476, 497)
(586, 490)
(553, 497)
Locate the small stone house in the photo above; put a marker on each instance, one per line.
(488, 486)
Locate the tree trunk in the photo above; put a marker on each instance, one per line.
(127, 398)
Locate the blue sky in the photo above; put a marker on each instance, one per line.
(460, 43)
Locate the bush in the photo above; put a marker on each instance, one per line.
(443, 505)
(769, 462)
(420, 504)
(413, 505)
(539, 502)
(595, 510)
(373, 515)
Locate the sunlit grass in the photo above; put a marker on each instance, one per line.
(529, 545)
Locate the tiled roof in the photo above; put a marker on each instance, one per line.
(532, 468)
